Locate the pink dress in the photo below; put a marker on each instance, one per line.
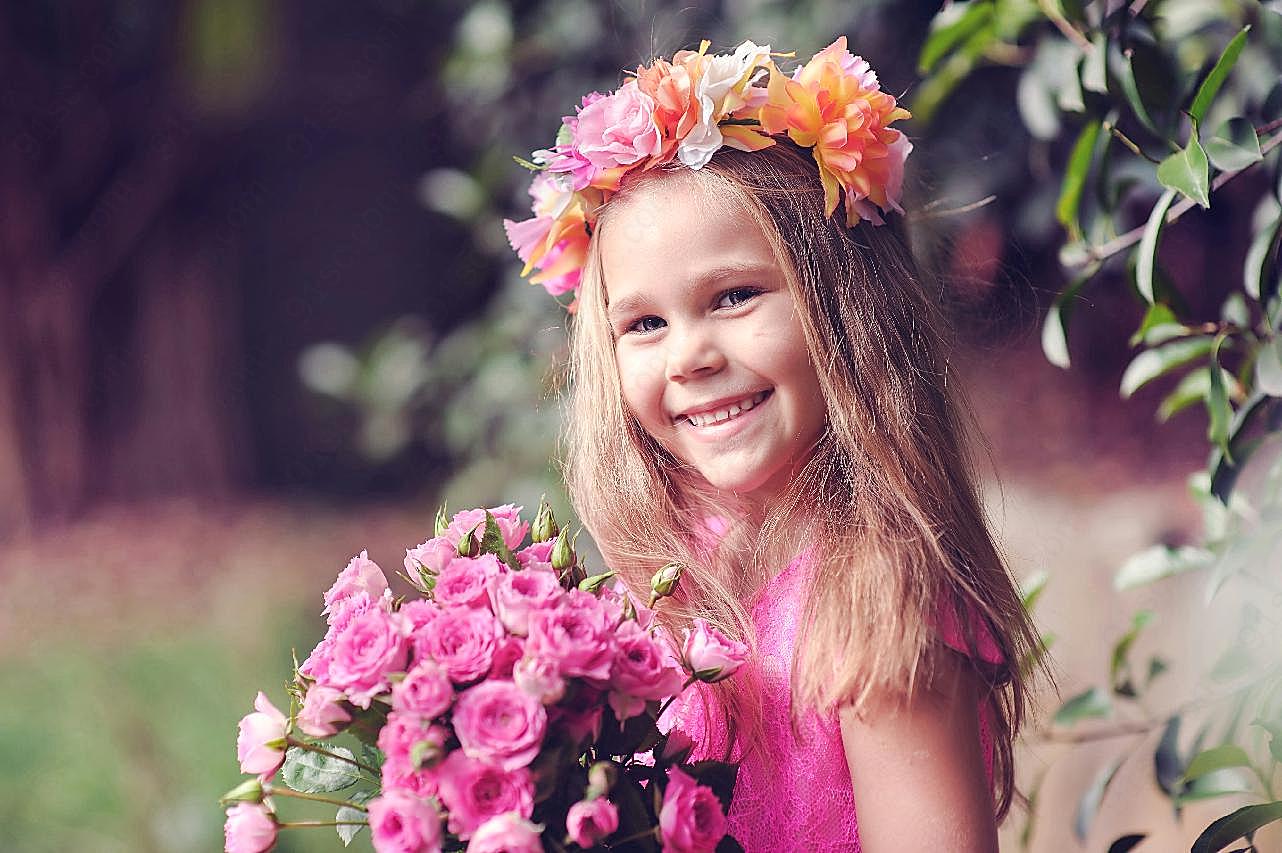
(803, 800)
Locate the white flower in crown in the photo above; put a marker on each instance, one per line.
(718, 92)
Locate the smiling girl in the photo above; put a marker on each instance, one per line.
(759, 394)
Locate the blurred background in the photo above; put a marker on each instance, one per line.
(257, 313)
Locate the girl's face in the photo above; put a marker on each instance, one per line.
(711, 355)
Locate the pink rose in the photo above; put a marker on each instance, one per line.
(578, 724)
(316, 667)
(250, 828)
(577, 633)
(515, 594)
(506, 654)
(463, 582)
(619, 129)
(590, 821)
(371, 647)
(508, 518)
(506, 833)
(417, 612)
(709, 655)
(425, 690)
(691, 820)
(260, 745)
(473, 792)
(640, 672)
(323, 713)
(361, 575)
(463, 640)
(409, 743)
(540, 678)
(433, 555)
(403, 823)
(498, 722)
(536, 556)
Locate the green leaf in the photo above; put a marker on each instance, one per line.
(1275, 737)
(950, 28)
(1094, 75)
(1088, 805)
(1055, 326)
(1219, 73)
(1157, 314)
(1218, 783)
(1030, 588)
(1237, 825)
(634, 817)
(1217, 404)
(312, 773)
(348, 816)
(1160, 561)
(1122, 648)
(1089, 704)
(1234, 310)
(1126, 843)
(1259, 258)
(1167, 764)
(1268, 367)
(492, 542)
(1147, 258)
(1217, 758)
(1188, 171)
(1152, 363)
(1234, 145)
(1079, 164)
(1193, 388)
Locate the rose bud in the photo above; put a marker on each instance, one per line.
(260, 746)
(664, 582)
(545, 526)
(322, 713)
(442, 522)
(249, 828)
(249, 791)
(467, 544)
(601, 778)
(593, 583)
(709, 655)
(563, 556)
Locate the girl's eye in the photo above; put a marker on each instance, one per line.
(736, 297)
(646, 324)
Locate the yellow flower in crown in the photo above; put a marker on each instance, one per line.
(686, 110)
(834, 105)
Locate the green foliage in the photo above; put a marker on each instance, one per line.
(1126, 96)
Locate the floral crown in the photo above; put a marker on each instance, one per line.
(686, 110)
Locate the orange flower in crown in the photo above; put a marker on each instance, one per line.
(688, 109)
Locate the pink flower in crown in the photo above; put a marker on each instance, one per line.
(362, 575)
(618, 129)
(577, 633)
(536, 556)
(640, 672)
(852, 66)
(323, 714)
(434, 555)
(691, 820)
(591, 821)
(474, 791)
(506, 833)
(463, 640)
(498, 722)
(402, 823)
(260, 744)
(249, 828)
(709, 655)
(508, 518)
(401, 735)
(426, 690)
(464, 582)
(365, 653)
(516, 595)
(540, 678)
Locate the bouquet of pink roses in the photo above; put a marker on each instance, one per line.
(510, 706)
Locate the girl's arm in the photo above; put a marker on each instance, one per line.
(918, 770)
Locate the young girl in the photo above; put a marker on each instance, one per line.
(759, 394)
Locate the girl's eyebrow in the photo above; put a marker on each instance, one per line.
(635, 301)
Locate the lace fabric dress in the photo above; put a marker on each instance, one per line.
(794, 791)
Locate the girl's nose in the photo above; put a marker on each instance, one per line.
(692, 354)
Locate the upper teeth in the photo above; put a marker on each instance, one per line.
(736, 408)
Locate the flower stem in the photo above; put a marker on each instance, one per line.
(311, 747)
(637, 837)
(304, 824)
(673, 698)
(288, 792)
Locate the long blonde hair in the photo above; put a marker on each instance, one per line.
(887, 500)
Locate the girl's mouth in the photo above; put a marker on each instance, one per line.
(726, 412)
